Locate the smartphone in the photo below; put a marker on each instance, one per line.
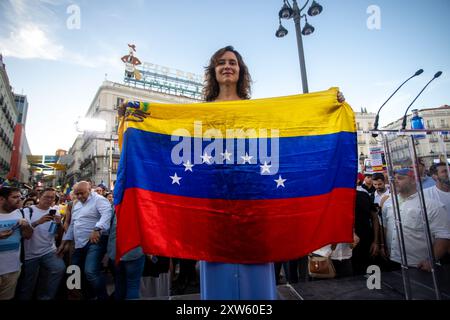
(52, 212)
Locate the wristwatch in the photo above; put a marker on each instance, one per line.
(98, 229)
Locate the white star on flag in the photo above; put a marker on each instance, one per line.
(247, 158)
(280, 181)
(188, 166)
(206, 158)
(226, 155)
(265, 168)
(175, 179)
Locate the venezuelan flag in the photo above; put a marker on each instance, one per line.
(67, 189)
(239, 181)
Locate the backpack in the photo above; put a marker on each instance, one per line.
(22, 246)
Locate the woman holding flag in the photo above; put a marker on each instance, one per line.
(227, 78)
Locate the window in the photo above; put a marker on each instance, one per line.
(358, 127)
(116, 123)
(443, 124)
(119, 101)
(115, 165)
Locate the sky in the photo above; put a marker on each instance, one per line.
(57, 52)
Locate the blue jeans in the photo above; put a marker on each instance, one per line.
(89, 259)
(46, 272)
(128, 279)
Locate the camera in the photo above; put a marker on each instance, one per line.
(52, 212)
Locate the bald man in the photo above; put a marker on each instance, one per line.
(89, 225)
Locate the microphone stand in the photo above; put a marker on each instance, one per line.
(437, 75)
(375, 125)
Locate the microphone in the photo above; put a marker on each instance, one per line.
(375, 125)
(437, 75)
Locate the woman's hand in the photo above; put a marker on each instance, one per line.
(355, 241)
(131, 113)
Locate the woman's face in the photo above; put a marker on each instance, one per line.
(227, 69)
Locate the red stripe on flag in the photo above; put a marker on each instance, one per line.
(235, 231)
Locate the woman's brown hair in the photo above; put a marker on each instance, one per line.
(211, 88)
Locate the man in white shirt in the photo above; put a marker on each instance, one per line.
(42, 270)
(380, 187)
(12, 228)
(89, 225)
(413, 229)
(441, 190)
(427, 181)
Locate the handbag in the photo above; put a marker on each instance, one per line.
(320, 267)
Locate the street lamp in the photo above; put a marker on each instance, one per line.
(287, 11)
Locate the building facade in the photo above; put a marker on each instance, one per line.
(20, 171)
(22, 108)
(8, 120)
(433, 146)
(25, 172)
(95, 155)
(429, 149)
(364, 123)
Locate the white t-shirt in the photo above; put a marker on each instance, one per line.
(10, 247)
(377, 198)
(413, 230)
(42, 241)
(443, 197)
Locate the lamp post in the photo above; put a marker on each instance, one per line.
(289, 11)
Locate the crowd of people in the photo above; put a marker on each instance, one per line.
(40, 236)
(44, 233)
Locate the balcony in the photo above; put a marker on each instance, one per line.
(86, 162)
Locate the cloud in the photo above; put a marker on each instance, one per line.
(93, 61)
(33, 36)
(30, 42)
